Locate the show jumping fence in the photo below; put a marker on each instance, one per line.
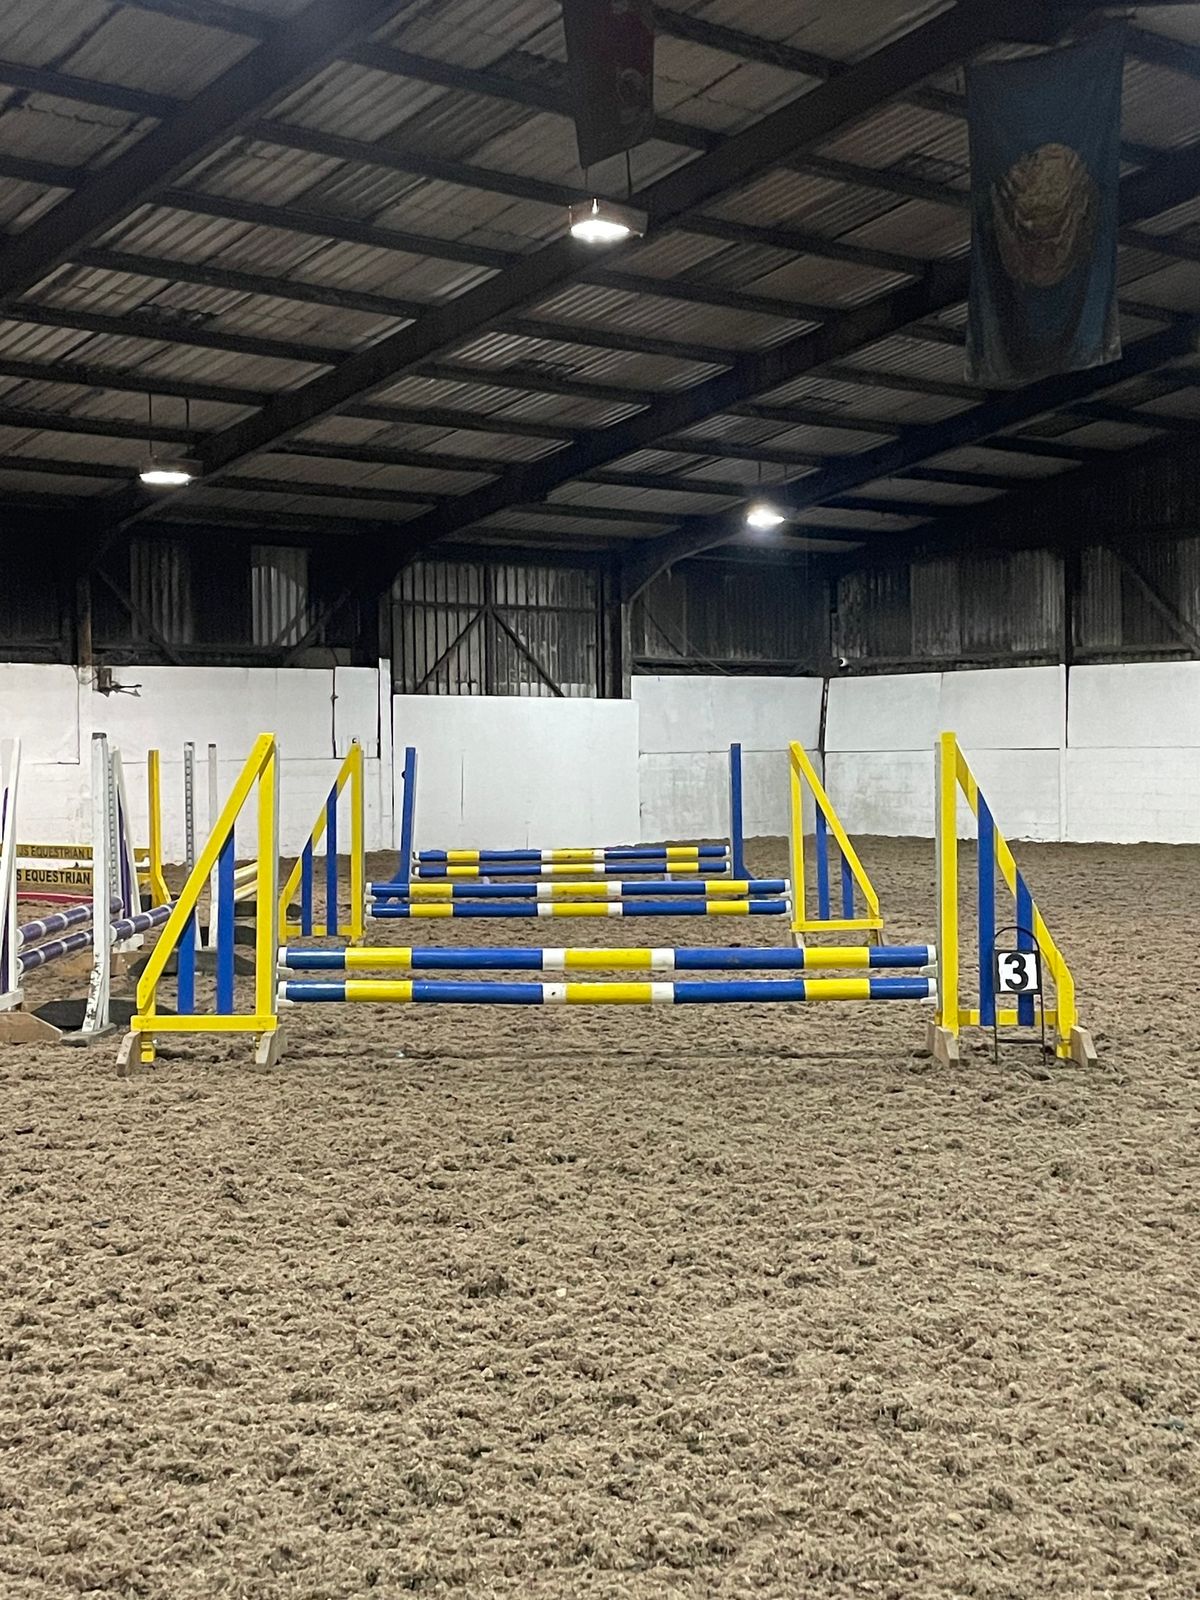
(634, 880)
(112, 921)
(928, 974)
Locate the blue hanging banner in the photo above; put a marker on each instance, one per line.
(610, 57)
(1045, 169)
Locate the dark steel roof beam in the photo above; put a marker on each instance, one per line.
(884, 505)
(1056, 449)
(94, 427)
(932, 439)
(290, 55)
(326, 225)
(173, 330)
(128, 380)
(798, 126)
(716, 449)
(470, 421)
(208, 276)
(962, 480)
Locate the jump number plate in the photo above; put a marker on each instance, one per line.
(1018, 972)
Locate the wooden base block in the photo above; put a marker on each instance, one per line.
(1082, 1048)
(22, 1027)
(942, 1044)
(269, 1048)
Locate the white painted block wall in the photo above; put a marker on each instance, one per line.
(687, 726)
(1113, 756)
(503, 773)
(314, 714)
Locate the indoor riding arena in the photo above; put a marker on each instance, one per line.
(599, 800)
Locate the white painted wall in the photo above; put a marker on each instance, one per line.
(499, 772)
(55, 710)
(687, 726)
(1116, 756)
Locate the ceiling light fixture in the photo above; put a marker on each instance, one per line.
(604, 222)
(763, 516)
(169, 472)
(156, 474)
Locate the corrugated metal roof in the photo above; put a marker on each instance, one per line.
(909, 138)
(43, 128)
(297, 470)
(848, 398)
(581, 361)
(38, 32)
(613, 497)
(475, 33)
(1019, 468)
(148, 50)
(499, 403)
(572, 527)
(21, 204)
(594, 306)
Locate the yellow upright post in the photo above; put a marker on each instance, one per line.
(161, 895)
(358, 856)
(266, 920)
(797, 867)
(944, 1032)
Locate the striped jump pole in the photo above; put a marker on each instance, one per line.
(659, 867)
(603, 908)
(734, 991)
(519, 958)
(579, 854)
(718, 889)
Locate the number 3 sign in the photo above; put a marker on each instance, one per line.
(1018, 972)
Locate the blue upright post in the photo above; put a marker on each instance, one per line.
(306, 890)
(737, 837)
(408, 808)
(822, 853)
(847, 889)
(987, 914)
(225, 912)
(1025, 941)
(332, 920)
(185, 956)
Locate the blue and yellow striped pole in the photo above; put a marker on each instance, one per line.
(672, 888)
(602, 908)
(415, 991)
(522, 958)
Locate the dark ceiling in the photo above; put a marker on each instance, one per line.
(329, 242)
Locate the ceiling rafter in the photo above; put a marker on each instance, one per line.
(1178, 175)
(797, 126)
(289, 55)
(840, 478)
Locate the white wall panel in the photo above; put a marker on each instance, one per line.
(1005, 708)
(356, 710)
(709, 713)
(40, 706)
(1121, 797)
(892, 713)
(505, 773)
(1136, 705)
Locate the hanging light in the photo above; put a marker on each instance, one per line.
(763, 516)
(604, 222)
(171, 474)
(166, 472)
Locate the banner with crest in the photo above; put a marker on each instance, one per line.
(610, 57)
(1045, 167)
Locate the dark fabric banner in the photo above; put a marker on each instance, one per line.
(1045, 166)
(610, 54)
